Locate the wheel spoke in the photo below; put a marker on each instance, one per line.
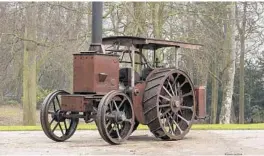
(176, 125)
(54, 106)
(181, 131)
(124, 110)
(186, 107)
(173, 130)
(163, 114)
(58, 102)
(128, 120)
(166, 105)
(164, 120)
(175, 80)
(51, 121)
(61, 128)
(116, 106)
(183, 83)
(55, 127)
(176, 90)
(171, 88)
(168, 121)
(165, 98)
(65, 125)
(112, 128)
(187, 94)
(172, 118)
(109, 116)
(121, 103)
(117, 131)
(111, 106)
(108, 124)
(188, 123)
(167, 91)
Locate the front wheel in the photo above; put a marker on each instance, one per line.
(53, 122)
(115, 117)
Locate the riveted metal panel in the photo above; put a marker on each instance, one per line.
(73, 103)
(87, 70)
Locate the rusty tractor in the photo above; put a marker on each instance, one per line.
(108, 91)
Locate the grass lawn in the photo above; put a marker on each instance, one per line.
(143, 127)
(11, 117)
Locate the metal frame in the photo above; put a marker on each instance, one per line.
(135, 45)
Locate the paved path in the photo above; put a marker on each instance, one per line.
(237, 142)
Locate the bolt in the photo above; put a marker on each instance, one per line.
(136, 92)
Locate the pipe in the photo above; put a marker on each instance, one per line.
(97, 17)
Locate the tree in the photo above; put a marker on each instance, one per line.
(29, 66)
(242, 38)
(229, 49)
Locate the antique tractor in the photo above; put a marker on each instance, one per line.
(119, 99)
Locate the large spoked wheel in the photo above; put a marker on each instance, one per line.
(169, 104)
(115, 117)
(53, 121)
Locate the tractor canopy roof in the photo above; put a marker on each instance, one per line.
(147, 43)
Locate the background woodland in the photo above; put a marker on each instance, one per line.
(37, 41)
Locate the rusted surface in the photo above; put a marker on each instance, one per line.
(147, 43)
(137, 98)
(201, 101)
(88, 71)
(73, 103)
(168, 102)
(79, 103)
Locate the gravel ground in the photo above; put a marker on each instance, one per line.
(236, 142)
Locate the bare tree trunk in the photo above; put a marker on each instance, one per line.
(241, 31)
(225, 115)
(140, 27)
(242, 82)
(157, 22)
(214, 101)
(29, 68)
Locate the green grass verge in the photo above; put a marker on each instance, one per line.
(143, 127)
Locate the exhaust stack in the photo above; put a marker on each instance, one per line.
(97, 11)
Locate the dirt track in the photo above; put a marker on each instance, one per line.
(140, 143)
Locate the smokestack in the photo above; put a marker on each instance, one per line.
(97, 11)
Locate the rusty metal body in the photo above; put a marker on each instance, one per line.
(96, 74)
(98, 79)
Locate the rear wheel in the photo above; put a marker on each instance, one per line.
(169, 104)
(53, 122)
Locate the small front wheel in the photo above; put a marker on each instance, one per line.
(115, 117)
(53, 121)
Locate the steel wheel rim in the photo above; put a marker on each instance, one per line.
(54, 125)
(176, 117)
(116, 127)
